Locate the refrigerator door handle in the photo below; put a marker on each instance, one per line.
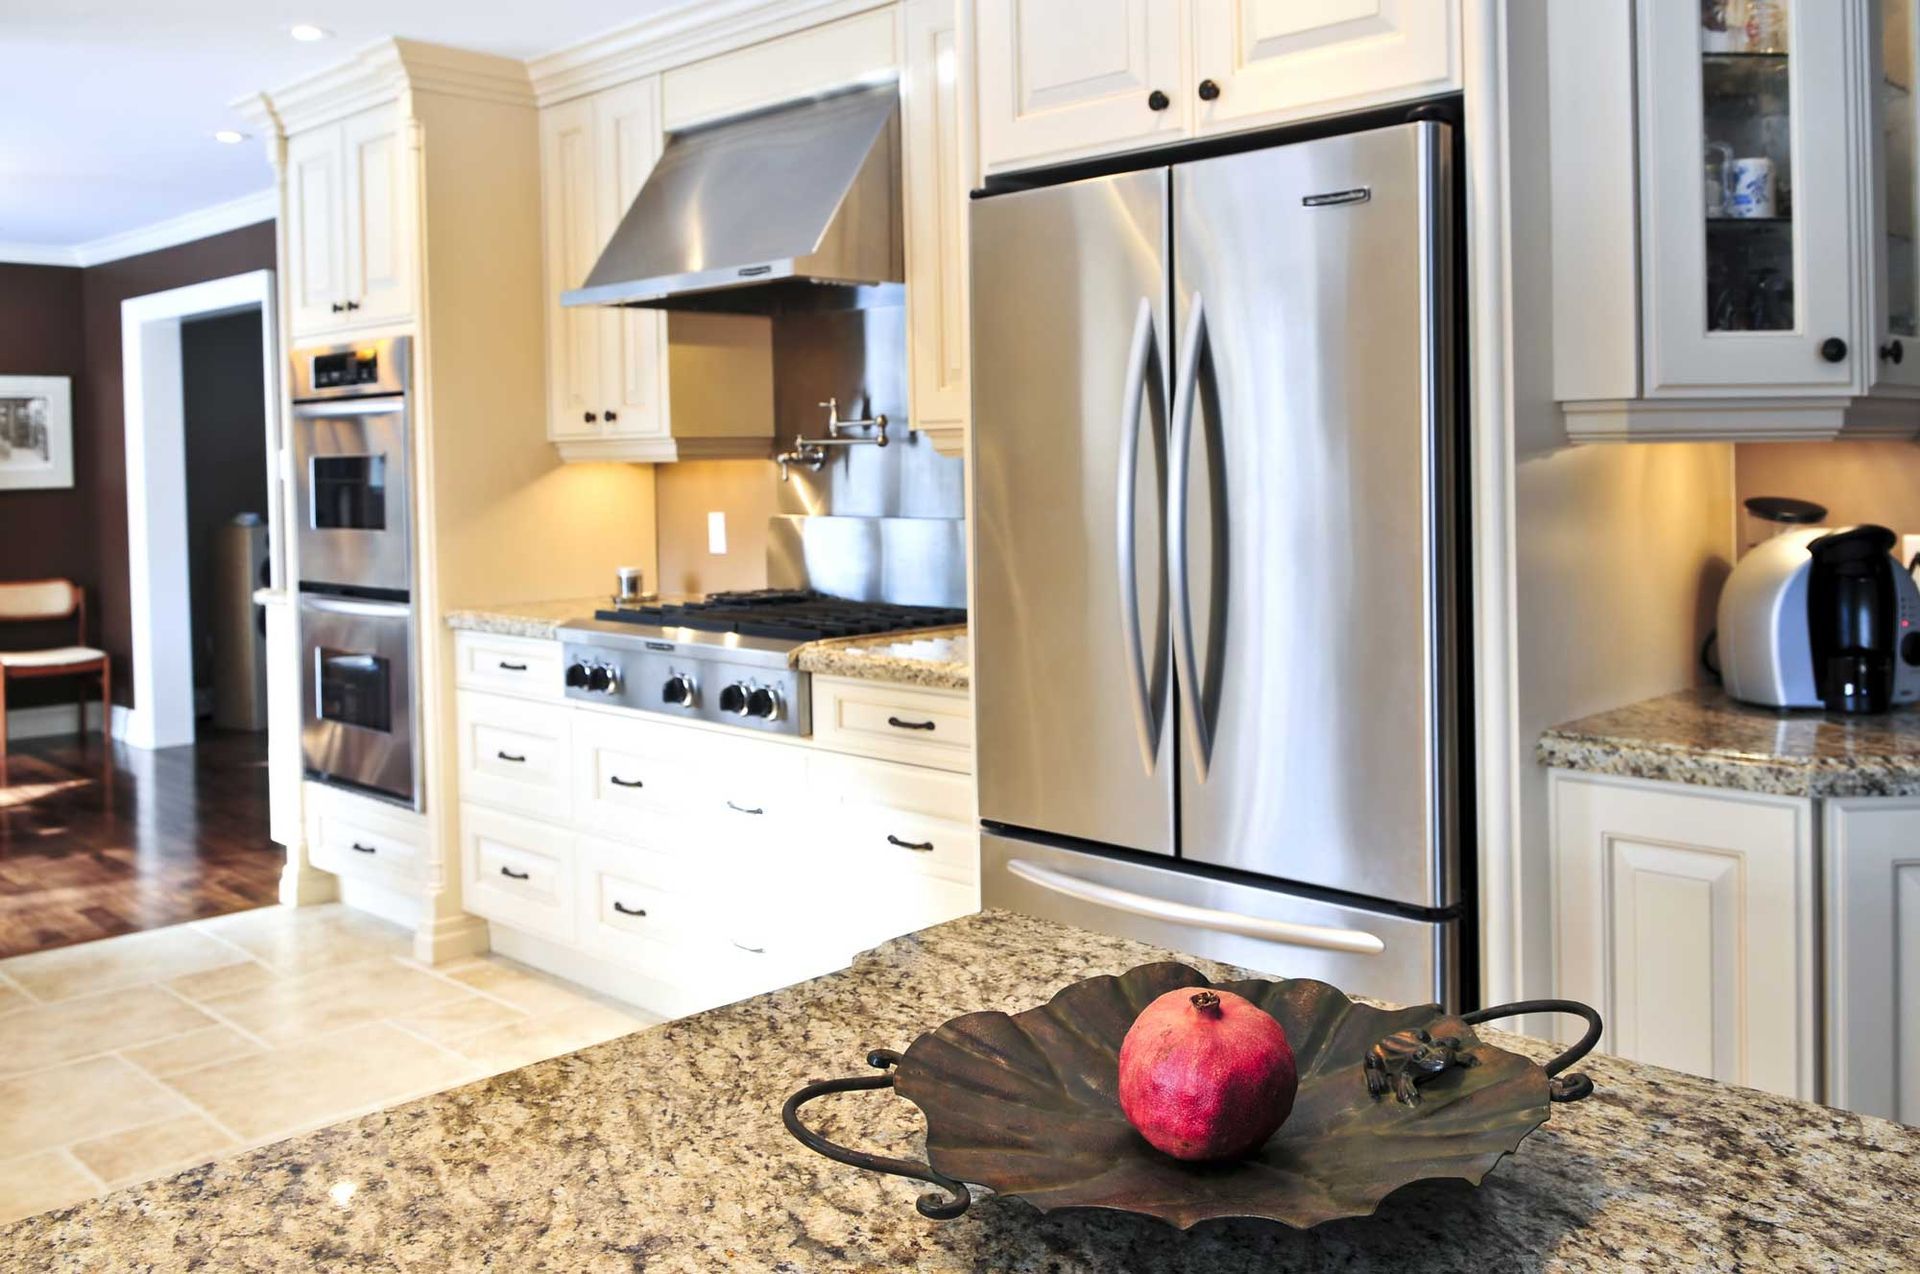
(1179, 447)
(1318, 937)
(1145, 720)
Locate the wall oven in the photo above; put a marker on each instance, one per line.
(357, 704)
(352, 487)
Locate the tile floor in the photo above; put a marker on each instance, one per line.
(137, 1056)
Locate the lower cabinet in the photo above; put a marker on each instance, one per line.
(518, 871)
(1872, 849)
(1687, 916)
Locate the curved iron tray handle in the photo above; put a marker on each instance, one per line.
(930, 1204)
(1572, 1087)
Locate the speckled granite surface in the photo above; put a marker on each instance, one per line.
(1703, 737)
(524, 619)
(664, 1151)
(856, 657)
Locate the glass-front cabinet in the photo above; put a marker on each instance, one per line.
(1765, 259)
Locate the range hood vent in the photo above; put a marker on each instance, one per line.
(794, 208)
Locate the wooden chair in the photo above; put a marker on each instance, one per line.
(38, 601)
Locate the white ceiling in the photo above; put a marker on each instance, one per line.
(108, 107)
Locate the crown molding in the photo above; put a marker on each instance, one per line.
(379, 74)
(675, 38)
(247, 210)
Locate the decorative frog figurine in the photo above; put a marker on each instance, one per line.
(1407, 1059)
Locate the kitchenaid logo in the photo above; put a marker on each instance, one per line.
(1335, 198)
(748, 272)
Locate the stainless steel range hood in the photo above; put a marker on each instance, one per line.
(793, 208)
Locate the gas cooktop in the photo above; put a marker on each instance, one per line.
(794, 615)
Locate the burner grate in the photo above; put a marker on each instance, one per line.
(787, 615)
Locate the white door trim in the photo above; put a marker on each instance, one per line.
(158, 602)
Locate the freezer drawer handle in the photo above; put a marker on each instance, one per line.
(898, 724)
(918, 847)
(1319, 937)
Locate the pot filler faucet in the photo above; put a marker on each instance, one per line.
(812, 452)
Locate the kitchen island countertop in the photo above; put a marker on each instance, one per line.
(664, 1150)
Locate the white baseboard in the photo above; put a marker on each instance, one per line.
(50, 719)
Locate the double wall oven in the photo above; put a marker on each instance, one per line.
(354, 553)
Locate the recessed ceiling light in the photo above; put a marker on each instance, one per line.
(309, 32)
(229, 136)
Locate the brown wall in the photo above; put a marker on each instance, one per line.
(56, 321)
(1857, 481)
(747, 491)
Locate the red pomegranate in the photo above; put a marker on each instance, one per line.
(1206, 1074)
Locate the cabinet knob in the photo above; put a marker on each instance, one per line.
(353, 305)
(612, 416)
(590, 416)
(1833, 349)
(1893, 351)
(1208, 90)
(1158, 101)
(336, 307)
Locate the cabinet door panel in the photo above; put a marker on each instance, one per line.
(315, 237)
(1686, 916)
(1280, 59)
(627, 144)
(1066, 77)
(377, 214)
(570, 224)
(936, 240)
(1873, 956)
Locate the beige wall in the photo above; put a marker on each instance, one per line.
(1857, 481)
(747, 491)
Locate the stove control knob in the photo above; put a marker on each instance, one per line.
(734, 699)
(602, 680)
(678, 690)
(763, 703)
(577, 675)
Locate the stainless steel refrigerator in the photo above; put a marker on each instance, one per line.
(1217, 610)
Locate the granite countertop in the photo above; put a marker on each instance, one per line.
(1705, 738)
(664, 1150)
(539, 620)
(881, 657)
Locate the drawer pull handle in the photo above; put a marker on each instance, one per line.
(625, 910)
(518, 758)
(617, 781)
(358, 848)
(511, 874)
(918, 847)
(741, 809)
(898, 724)
(509, 667)
(751, 950)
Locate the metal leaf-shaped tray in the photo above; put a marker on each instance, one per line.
(1028, 1105)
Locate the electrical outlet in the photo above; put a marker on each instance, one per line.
(717, 533)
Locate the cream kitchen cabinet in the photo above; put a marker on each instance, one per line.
(938, 161)
(1073, 78)
(1734, 220)
(350, 224)
(1686, 915)
(1873, 955)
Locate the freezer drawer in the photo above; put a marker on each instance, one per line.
(1362, 952)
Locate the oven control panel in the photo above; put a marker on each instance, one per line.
(679, 682)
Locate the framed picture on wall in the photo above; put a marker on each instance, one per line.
(36, 432)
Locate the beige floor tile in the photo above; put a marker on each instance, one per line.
(78, 1100)
(92, 967)
(139, 1154)
(518, 985)
(230, 980)
(12, 997)
(297, 939)
(37, 1183)
(320, 1081)
(179, 1053)
(459, 1019)
(328, 1000)
(49, 1033)
(506, 1048)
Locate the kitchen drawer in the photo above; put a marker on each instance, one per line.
(894, 723)
(626, 773)
(368, 845)
(632, 911)
(518, 872)
(516, 754)
(509, 665)
(914, 788)
(881, 838)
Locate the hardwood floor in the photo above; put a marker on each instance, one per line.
(97, 842)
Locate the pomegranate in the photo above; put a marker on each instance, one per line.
(1206, 1074)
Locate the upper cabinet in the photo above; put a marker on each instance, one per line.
(350, 224)
(1733, 207)
(939, 173)
(1068, 79)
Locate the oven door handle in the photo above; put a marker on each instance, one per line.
(330, 605)
(390, 404)
(1319, 937)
